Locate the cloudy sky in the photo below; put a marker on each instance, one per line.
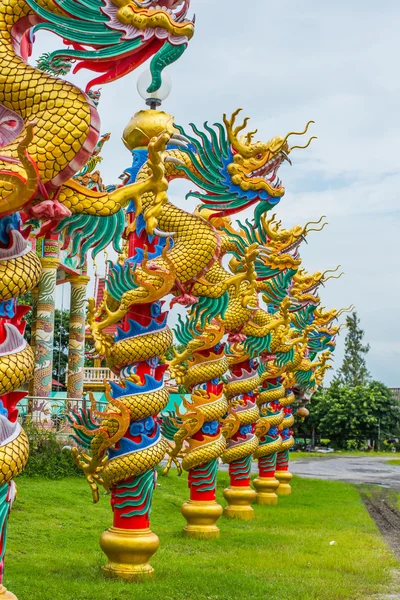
(286, 63)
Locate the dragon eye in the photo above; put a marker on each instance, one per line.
(259, 156)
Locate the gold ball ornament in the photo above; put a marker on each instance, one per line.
(145, 125)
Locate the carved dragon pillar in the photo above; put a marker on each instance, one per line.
(44, 329)
(271, 417)
(76, 341)
(282, 472)
(19, 272)
(128, 468)
(200, 427)
(242, 383)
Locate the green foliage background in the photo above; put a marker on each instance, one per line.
(354, 410)
(47, 458)
(349, 417)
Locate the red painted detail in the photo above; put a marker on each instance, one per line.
(10, 402)
(282, 461)
(207, 353)
(17, 320)
(268, 382)
(238, 369)
(20, 37)
(114, 69)
(265, 472)
(239, 482)
(138, 522)
(123, 522)
(199, 436)
(143, 369)
(197, 495)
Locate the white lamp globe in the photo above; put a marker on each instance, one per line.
(154, 99)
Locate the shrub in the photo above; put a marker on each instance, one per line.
(46, 456)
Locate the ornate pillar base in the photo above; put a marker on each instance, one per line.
(284, 478)
(129, 552)
(239, 501)
(6, 595)
(201, 516)
(266, 490)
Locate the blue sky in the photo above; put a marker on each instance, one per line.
(286, 63)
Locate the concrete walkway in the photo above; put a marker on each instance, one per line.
(360, 469)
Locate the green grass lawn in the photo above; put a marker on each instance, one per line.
(339, 453)
(299, 455)
(53, 548)
(394, 461)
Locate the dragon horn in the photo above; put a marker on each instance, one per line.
(331, 271)
(344, 310)
(272, 232)
(297, 132)
(243, 148)
(307, 230)
(334, 277)
(314, 137)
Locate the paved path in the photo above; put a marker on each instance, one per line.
(360, 469)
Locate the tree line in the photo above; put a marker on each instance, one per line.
(355, 411)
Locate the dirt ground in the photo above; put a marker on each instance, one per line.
(381, 504)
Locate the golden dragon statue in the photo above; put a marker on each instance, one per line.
(298, 377)
(153, 268)
(49, 129)
(242, 383)
(200, 433)
(277, 271)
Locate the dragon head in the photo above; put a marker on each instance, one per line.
(305, 285)
(113, 37)
(325, 317)
(234, 170)
(281, 250)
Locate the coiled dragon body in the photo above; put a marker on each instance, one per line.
(241, 388)
(200, 426)
(20, 271)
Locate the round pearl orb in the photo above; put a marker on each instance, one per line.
(161, 94)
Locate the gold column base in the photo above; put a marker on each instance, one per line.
(129, 552)
(6, 595)
(201, 517)
(266, 490)
(239, 502)
(284, 478)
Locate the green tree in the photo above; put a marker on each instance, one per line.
(353, 371)
(61, 336)
(352, 415)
